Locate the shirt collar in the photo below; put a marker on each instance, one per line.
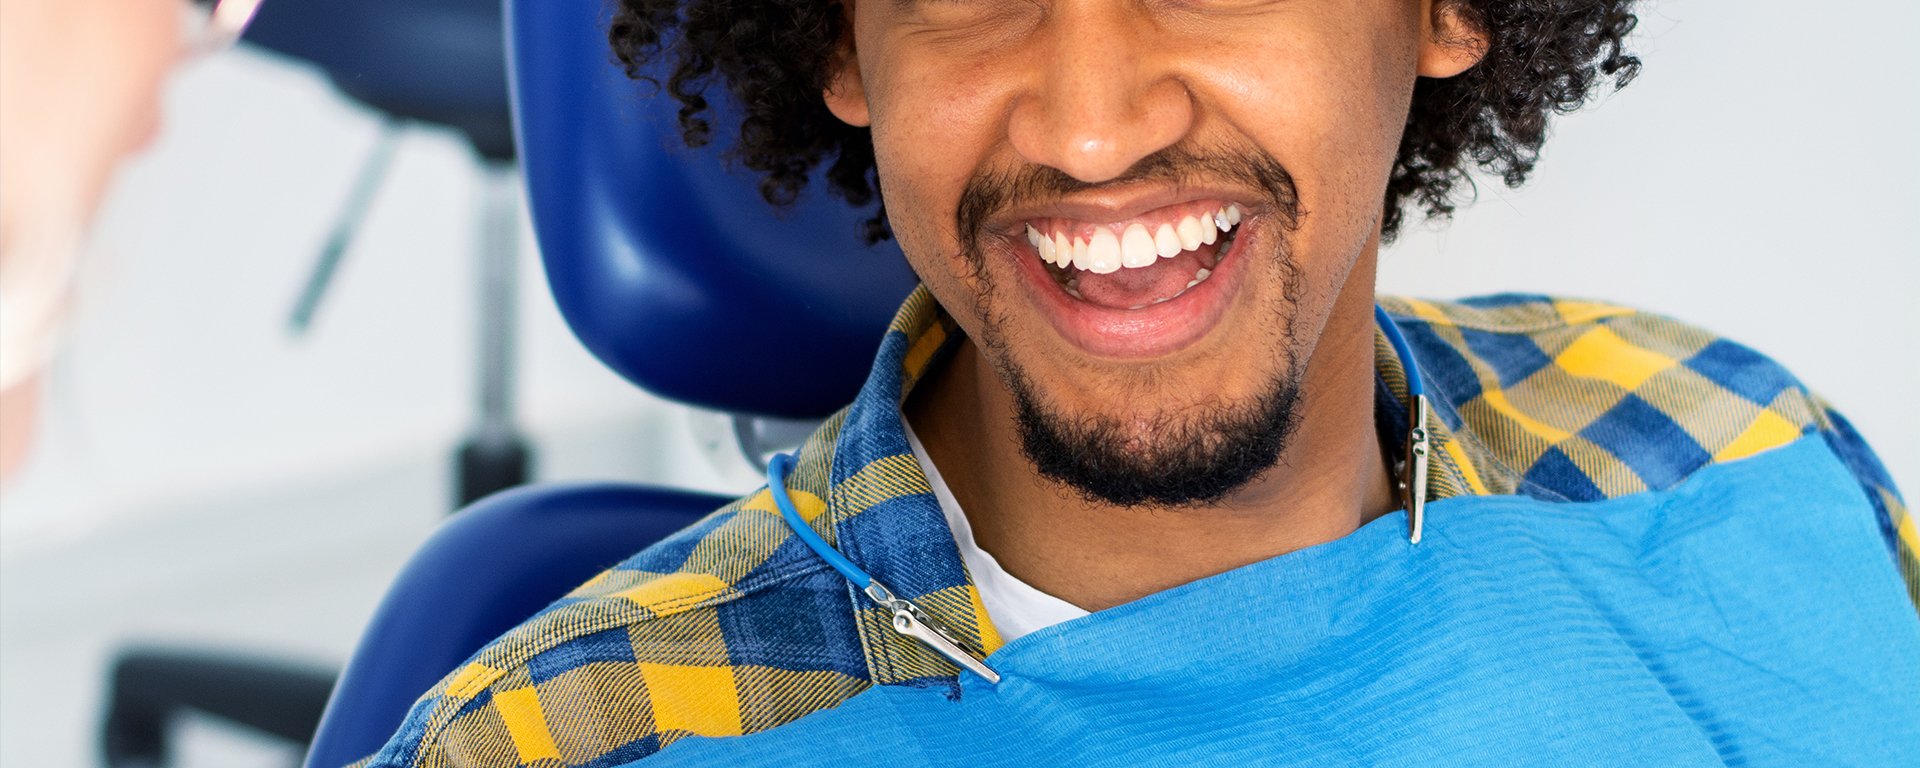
(881, 512)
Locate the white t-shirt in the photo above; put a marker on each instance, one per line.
(1014, 606)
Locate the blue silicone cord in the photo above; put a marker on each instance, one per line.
(1402, 351)
(777, 470)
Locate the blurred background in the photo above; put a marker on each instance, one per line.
(206, 476)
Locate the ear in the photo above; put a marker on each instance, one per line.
(1454, 39)
(846, 93)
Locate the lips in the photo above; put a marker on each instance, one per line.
(1135, 287)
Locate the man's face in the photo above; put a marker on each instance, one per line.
(1142, 210)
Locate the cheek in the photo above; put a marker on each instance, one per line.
(931, 134)
(921, 191)
(1328, 99)
(919, 201)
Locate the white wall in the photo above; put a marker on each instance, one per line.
(1759, 179)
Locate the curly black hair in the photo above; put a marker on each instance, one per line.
(1544, 57)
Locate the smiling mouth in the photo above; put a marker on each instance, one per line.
(1139, 263)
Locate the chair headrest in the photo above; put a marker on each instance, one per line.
(665, 261)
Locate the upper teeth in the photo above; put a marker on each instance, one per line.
(1134, 247)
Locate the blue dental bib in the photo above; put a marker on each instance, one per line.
(1749, 616)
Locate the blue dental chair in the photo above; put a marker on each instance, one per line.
(670, 268)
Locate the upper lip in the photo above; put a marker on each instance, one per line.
(1114, 205)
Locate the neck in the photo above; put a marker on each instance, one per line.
(1331, 479)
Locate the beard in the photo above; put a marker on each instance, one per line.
(1191, 457)
(1194, 455)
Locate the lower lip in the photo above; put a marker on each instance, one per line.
(1152, 331)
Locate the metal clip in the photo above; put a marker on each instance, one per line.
(909, 620)
(1413, 479)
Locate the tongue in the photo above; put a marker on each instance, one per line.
(1134, 287)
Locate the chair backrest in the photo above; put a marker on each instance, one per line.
(483, 572)
(665, 261)
(667, 265)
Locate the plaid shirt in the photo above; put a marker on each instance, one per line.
(732, 626)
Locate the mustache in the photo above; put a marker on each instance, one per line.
(991, 191)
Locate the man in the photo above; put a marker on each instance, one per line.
(1140, 479)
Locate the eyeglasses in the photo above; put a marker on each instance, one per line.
(218, 23)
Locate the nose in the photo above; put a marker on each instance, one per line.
(1104, 96)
